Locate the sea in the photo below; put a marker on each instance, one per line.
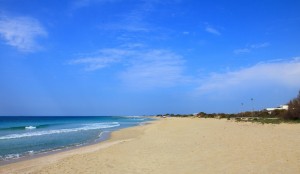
(22, 137)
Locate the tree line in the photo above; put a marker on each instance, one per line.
(293, 113)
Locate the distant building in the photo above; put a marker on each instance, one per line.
(281, 107)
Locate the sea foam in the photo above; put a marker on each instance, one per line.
(30, 127)
(84, 127)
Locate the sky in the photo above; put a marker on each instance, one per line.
(147, 57)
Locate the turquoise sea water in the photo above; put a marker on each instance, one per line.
(27, 136)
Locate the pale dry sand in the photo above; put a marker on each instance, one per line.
(183, 146)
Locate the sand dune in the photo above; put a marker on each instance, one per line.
(183, 146)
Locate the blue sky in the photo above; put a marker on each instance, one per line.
(140, 57)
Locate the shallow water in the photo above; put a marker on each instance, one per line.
(28, 136)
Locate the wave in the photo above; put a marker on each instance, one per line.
(134, 116)
(30, 127)
(17, 155)
(85, 127)
(9, 157)
(139, 119)
(26, 127)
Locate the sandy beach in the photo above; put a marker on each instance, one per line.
(180, 145)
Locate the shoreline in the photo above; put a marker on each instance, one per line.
(106, 135)
(180, 145)
(34, 163)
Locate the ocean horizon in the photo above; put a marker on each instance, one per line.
(29, 136)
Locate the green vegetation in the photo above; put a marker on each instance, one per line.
(292, 115)
(293, 112)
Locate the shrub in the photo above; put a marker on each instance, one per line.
(293, 112)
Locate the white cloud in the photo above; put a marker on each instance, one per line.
(251, 47)
(101, 59)
(133, 45)
(94, 63)
(260, 45)
(135, 20)
(155, 68)
(283, 73)
(21, 32)
(212, 30)
(143, 68)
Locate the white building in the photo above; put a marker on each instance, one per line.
(281, 107)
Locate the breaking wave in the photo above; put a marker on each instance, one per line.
(30, 127)
(84, 127)
(26, 127)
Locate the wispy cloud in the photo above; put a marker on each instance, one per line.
(155, 68)
(22, 32)
(241, 51)
(185, 33)
(259, 45)
(250, 48)
(212, 30)
(101, 59)
(134, 20)
(81, 3)
(133, 45)
(128, 26)
(77, 4)
(284, 73)
(135, 24)
(94, 63)
(142, 68)
(137, 19)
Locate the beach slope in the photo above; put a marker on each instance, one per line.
(180, 145)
